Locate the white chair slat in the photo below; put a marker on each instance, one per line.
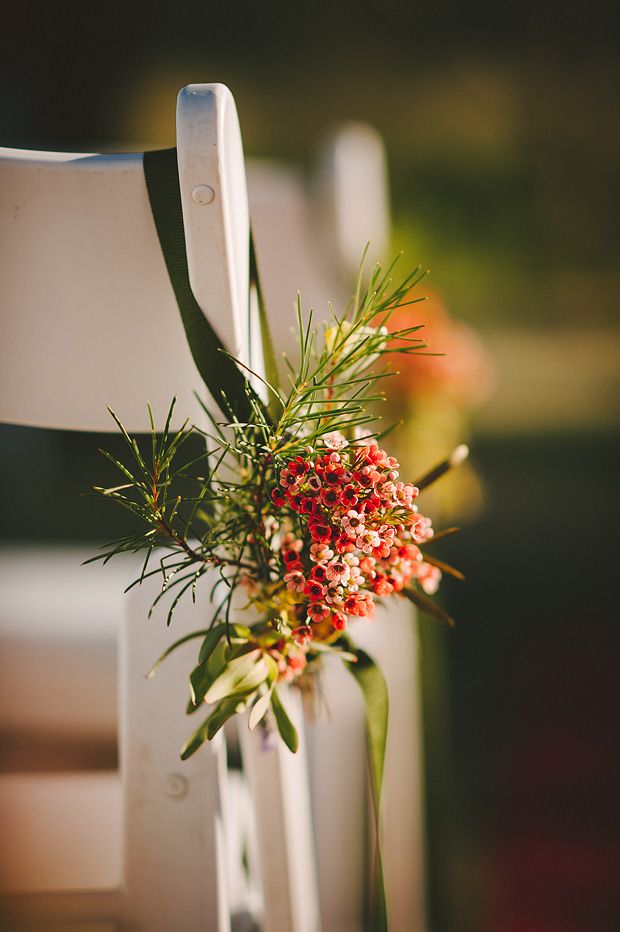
(285, 839)
(338, 768)
(338, 747)
(353, 186)
(392, 640)
(89, 316)
(175, 854)
(215, 209)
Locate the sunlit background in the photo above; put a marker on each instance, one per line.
(501, 130)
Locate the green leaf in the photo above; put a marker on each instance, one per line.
(195, 740)
(259, 709)
(210, 642)
(220, 716)
(272, 669)
(320, 647)
(426, 605)
(374, 691)
(199, 683)
(239, 675)
(169, 650)
(211, 726)
(287, 730)
(205, 674)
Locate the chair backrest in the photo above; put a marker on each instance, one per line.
(89, 317)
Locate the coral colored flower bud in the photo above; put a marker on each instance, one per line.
(277, 498)
(303, 634)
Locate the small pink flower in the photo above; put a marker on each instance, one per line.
(421, 529)
(331, 497)
(335, 595)
(319, 572)
(320, 553)
(338, 571)
(318, 611)
(314, 590)
(429, 577)
(335, 441)
(320, 531)
(368, 541)
(295, 581)
(353, 523)
(349, 496)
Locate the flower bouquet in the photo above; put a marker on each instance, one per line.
(293, 515)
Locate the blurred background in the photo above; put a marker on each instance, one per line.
(501, 131)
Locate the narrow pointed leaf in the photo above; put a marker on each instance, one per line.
(426, 605)
(209, 727)
(374, 691)
(259, 709)
(269, 356)
(210, 642)
(287, 730)
(439, 535)
(444, 567)
(169, 650)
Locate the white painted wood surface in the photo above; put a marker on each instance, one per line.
(174, 872)
(215, 209)
(85, 295)
(339, 783)
(352, 188)
(87, 305)
(285, 834)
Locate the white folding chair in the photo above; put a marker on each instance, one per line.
(88, 319)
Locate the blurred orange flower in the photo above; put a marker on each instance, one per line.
(462, 371)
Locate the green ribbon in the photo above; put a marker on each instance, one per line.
(218, 372)
(372, 683)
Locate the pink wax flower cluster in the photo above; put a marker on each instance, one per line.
(360, 534)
